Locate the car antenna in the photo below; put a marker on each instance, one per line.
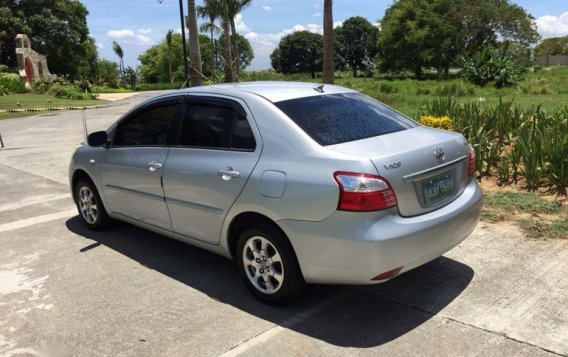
(319, 88)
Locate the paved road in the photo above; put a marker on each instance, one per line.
(128, 292)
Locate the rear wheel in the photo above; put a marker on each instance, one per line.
(268, 265)
(90, 206)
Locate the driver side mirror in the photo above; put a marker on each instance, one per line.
(98, 138)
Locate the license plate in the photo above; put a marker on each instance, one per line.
(438, 187)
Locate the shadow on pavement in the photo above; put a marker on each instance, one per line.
(362, 317)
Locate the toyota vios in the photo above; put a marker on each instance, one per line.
(299, 183)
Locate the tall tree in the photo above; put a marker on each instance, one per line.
(440, 33)
(234, 7)
(328, 42)
(195, 72)
(169, 43)
(359, 39)
(226, 45)
(57, 29)
(299, 52)
(154, 62)
(211, 11)
(246, 53)
(120, 53)
(552, 46)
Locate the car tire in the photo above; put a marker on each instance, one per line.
(90, 206)
(268, 265)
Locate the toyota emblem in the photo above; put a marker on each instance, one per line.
(440, 155)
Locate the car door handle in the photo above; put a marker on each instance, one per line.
(154, 165)
(227, 173)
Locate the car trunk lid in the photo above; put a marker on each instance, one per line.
(427, 168)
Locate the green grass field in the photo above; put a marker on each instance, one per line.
(39, 101)
(548, 88)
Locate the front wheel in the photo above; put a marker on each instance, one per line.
(90, 205)
(268, 265)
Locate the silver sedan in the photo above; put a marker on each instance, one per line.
(299, 183)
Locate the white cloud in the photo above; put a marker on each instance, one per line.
(240, 25)
(553, 26)
(317, 14)
(266, 8)
(144, 40)
(337, 24)
(124, 33)
(145, 31)
(100, 46)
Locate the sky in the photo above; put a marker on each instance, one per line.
(139, 24)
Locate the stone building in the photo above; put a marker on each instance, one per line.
(30, 63)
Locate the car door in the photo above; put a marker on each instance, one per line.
(216, 153)
(131, 171)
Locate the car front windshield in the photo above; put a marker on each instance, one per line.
(337, 118)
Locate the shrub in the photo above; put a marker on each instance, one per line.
(490, 65)
(69, 92)
(442, 122)
(510, 142)
(41, 87)
(11, 83)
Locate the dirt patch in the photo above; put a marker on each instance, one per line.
(113, 97)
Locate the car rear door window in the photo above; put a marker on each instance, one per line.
(147, 128)
(215, 127)
(337, 118)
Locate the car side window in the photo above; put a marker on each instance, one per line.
(148, 128)
(215, 127)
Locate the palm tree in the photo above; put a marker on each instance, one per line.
(210, 10)
(120, 53)
(169, 43)
(226, 42)
(235, 7)
(195, 72)
(328, 70)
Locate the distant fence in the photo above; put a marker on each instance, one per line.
(558, 60)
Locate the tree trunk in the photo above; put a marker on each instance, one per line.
(328, 50)
(213, 61)
(170, 65)
(354, 67)
(227, 52)
(235, 47)
(418, 72)
(195, 71)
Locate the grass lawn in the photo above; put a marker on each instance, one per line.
(538, 217)
(39, 101)
(547, 88)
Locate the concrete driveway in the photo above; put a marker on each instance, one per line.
(128, 292)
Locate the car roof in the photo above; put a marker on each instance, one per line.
(274, 91)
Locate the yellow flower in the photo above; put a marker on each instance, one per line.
(443, 122)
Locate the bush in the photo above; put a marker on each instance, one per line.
(492, 66)
(69, 92)
(442, 122)
(41, 87)
(11, 83)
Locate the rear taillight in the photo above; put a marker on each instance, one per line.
(470, 161)
(363, 193)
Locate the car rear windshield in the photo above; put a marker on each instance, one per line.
(337, 118)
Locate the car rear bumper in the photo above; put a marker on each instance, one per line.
(353, 248)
